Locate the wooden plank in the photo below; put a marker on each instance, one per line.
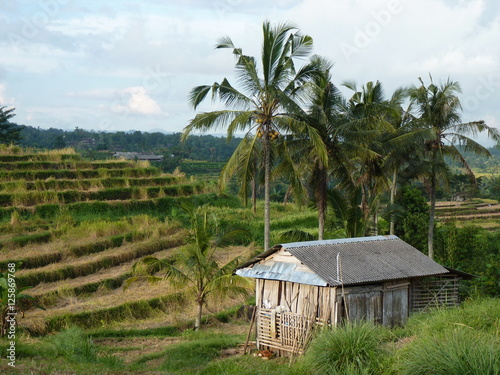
(387, 317)
(377, 308)
(399, 307)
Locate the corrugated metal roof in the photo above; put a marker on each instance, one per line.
(282, 271)
(361, 260)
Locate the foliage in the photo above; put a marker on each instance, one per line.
(479, 315)
(196, 267)
(266, 103)
(350, 349)
(459, 352)
(9, 132)
(474, 250)
(12, 300)
(439, 110)
(412, 225)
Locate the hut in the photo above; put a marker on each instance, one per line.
(381, 279)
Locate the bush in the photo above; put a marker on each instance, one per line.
(350, 349)
(74, 344)
(462, 352)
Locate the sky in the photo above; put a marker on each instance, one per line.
(129, 65)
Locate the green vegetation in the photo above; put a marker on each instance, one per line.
(321, 164)
(446, 341)
(354, 348)
(196, 267)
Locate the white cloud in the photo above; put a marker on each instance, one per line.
(136, 100)
(2, 93)
(90, 24)
(159, 50)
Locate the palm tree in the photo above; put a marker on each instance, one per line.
(264, 105)
(196, 267)
(327, 114)
(438, 109)
(368, 111)
(400, 146)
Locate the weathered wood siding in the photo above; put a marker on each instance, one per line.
(395, 309)
(287, 310)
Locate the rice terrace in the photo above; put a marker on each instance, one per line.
(336, 228)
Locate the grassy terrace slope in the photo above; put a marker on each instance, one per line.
(75, 228)
(481, 212)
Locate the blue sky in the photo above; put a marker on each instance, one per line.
(123, 65)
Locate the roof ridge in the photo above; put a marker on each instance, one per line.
(339, 241)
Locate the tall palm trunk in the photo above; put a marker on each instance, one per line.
(321, 201)
(430, 238)
(197, 323)
(254, 195)
(267, 200)
(393, 198)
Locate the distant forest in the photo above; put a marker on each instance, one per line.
(197, 147)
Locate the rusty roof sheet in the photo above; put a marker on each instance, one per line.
(360, 260)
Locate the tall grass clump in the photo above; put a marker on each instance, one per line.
(75, 346)
(461, 352)
(481, 315)
(351, 349)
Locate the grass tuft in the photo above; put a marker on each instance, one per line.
(350, 349)
(462, 352)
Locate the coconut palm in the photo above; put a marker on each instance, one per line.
(196, 267)
(438, 109)
(263, 106)
(368, 112)
(399, 155)
(343, 139)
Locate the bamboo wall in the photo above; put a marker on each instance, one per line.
(435, 292)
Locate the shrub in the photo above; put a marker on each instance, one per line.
(462, 352)
(74, 344)
(349, 349)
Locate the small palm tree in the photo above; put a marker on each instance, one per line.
(439, 108)
(264, 106)
(196, 267)
(19, 303)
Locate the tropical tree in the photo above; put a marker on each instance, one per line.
(245, 163)
(439, 110)
(13, 301)
(326, 113)
(368, 112)
(196, 268)
(263, 107)
(401, 164)
(9, 132)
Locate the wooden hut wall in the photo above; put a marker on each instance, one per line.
(361, 303)
(307, 300)
(396, 302)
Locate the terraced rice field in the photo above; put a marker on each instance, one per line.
(481, 212)
(75, 228)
